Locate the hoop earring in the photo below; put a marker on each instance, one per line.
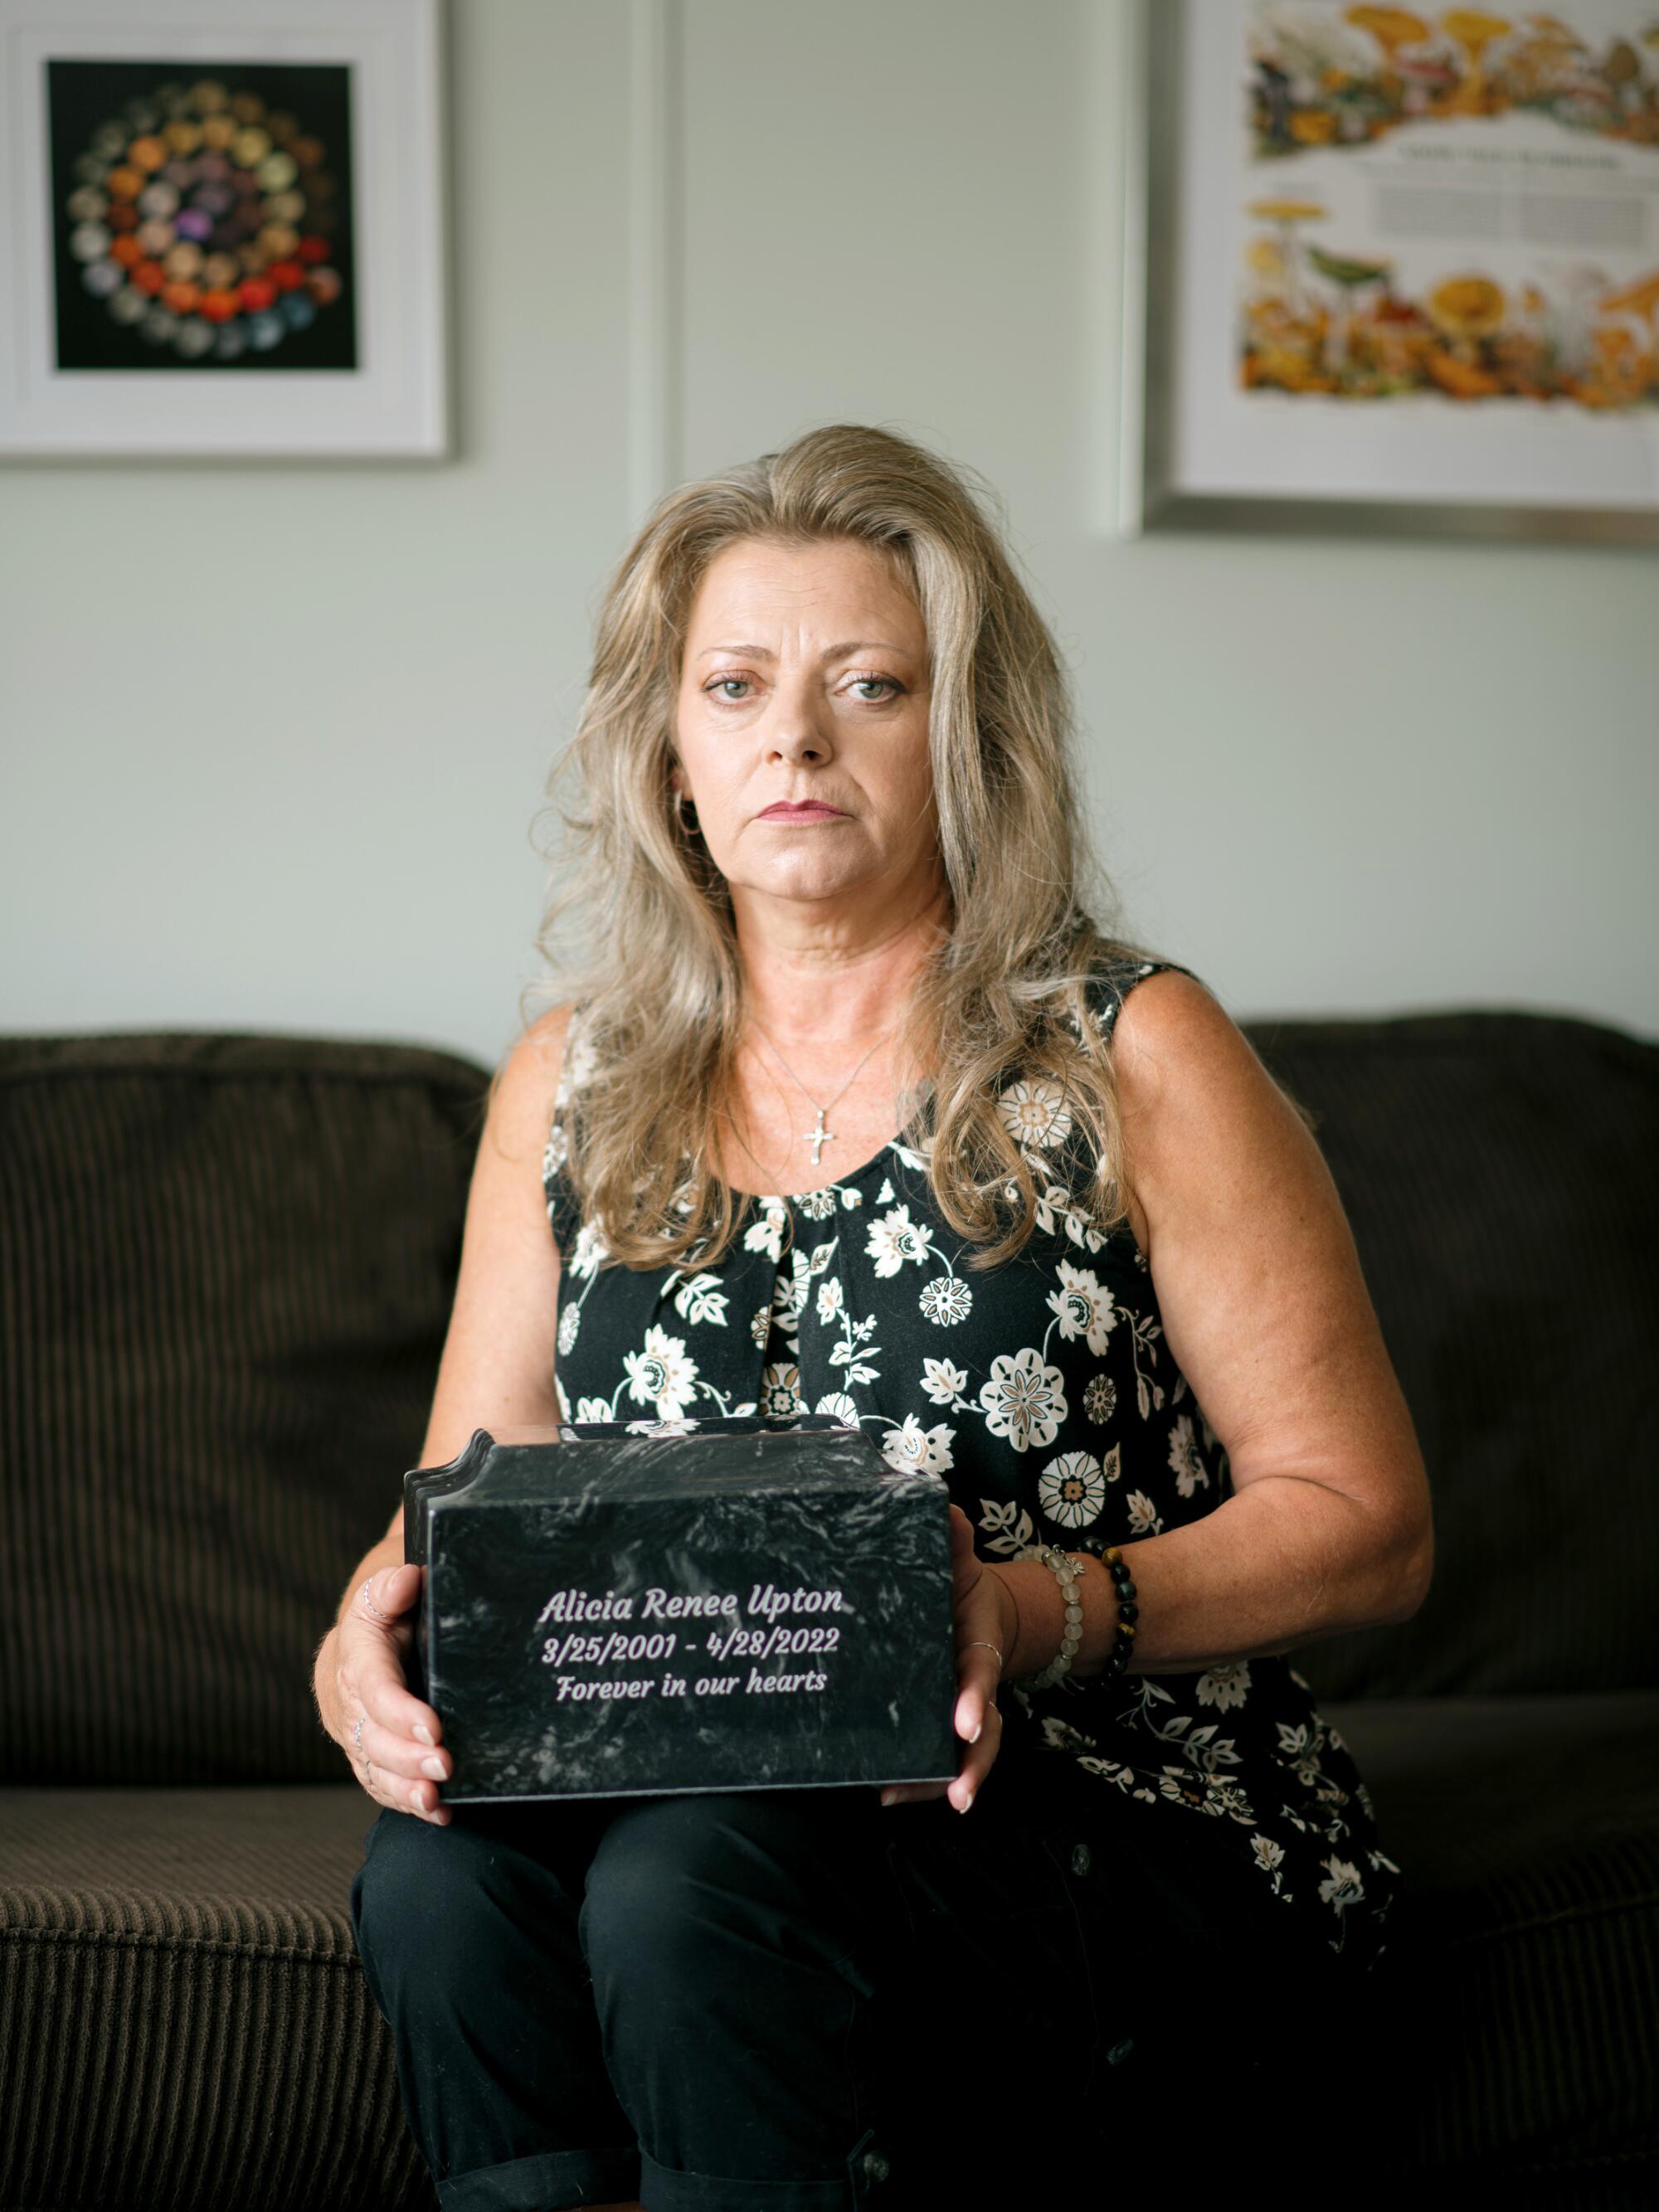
(689, 829)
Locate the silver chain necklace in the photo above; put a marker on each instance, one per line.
(820, 1137)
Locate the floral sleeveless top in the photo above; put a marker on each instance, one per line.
(1044, 1394)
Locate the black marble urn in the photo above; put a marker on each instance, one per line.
(613, 1608)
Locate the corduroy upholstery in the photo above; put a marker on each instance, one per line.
(225, 1269)
(184, 2020)
(1500, 1174)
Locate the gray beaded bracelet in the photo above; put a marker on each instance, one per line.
(1068, 1571)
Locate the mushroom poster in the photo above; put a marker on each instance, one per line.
(1407, 257)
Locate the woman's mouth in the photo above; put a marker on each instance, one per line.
(805, 810)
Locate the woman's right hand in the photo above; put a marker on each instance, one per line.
(397, 1753)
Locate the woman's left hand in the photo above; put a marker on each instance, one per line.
(984, 1614)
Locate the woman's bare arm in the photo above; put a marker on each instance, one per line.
(497, 1372)
(1266, 1313)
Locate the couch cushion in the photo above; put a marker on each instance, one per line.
(1501, 1173)
(1523, 1969)
(229, 1264)
(185, 2018)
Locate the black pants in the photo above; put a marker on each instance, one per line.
(792, 2001)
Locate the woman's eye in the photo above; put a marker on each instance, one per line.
(871, 689)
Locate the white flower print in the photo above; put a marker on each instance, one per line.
(1100, 1400)
(1063, 1737)
(661, 1375)
(795, 1288)
(1024, 1399)
(911, 1445)
(1035, 1113)
(831, 1296)
(851, 1197)
(591, 1409)
(589, 1248)
(1225, 1686)
(846, 1353)
(1056, 1201)
(701, 1298)
(1268, 1854)
(1227, 1799)
(894, 1239)
(946, 1299)
(780, 1398)
(839, 1407)
(1344, 1887)
(556, 1152)
(786, 1312)
(1299, 1750)
(1008, 1527)
(1178, 1782)
(1085, 1308)
(760, 1324)
(1145, 1519)
(1144, 1333)
(1189, 1468)
(1071, 1490)
(943, 1380)
(818, 1205)
(765, 1234)
(569, 1322)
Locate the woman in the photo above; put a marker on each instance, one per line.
(857, 1112)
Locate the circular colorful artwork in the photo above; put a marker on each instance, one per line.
(202, 217)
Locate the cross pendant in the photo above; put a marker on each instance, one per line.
(818, 1137)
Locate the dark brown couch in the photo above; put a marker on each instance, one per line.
(225, 1264)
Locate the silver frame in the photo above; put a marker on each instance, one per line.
(1149, 500)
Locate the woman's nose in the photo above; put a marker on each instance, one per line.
(795, 733)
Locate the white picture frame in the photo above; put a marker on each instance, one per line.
(1204, 451)
(143, 342)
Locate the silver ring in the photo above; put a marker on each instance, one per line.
(989, 1646)
(357, 1733)
(370, 1603)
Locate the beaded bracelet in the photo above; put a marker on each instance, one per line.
(1069, 1573)
(1127, 1611)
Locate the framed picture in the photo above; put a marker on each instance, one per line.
(222, 231)
(1395, 268)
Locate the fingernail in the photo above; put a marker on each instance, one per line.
(434, 1767)
(966, 1802)
(888, 1796)
(422, 1735)
(976, 1734)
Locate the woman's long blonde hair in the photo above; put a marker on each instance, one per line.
(661, 982)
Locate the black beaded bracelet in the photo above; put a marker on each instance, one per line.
(1127, 1611)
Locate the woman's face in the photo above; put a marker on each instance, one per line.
(806, 677)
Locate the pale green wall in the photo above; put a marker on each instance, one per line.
(274, 736)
